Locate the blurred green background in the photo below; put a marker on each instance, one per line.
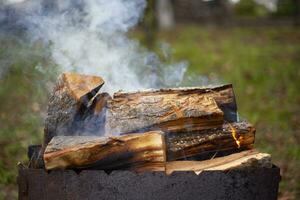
(257, 48)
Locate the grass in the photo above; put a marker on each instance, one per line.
(23, 93)
(262, 63)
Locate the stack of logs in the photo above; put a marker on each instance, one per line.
(179, 129)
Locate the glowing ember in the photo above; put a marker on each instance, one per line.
(234, 135)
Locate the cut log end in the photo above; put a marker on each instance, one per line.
(81, 85)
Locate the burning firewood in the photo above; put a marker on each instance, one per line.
(182, 123)
(229, 136)
(71, 96)
(171, 110)
(138, 152)
(244, 159)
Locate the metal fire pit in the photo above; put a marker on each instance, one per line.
(243, 184)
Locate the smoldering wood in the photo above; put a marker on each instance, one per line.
(229, 136)
(86, 121)
(138, 152)
(243, 160)
(171, 110)
(71, 95)
(91, 120)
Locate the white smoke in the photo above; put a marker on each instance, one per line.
(90, 37)
(8, 2)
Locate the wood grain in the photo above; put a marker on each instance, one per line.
(187, 144)
(170, 110)
(136, 152)
(244, 159)
(71, 95)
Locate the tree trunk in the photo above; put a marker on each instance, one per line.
(222, 12)
(227, 137)
(138, 152)
(165, 14)
(171, 110)
(296, 13)
(149, 25)
(245, 159)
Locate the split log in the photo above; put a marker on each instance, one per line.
(242, 160)
(171, 110)
(71, 95)
(91, 120)
(138, 152)
(229, 136)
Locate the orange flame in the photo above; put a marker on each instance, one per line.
(234, 135)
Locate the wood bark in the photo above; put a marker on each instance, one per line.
(70, 98)
(138, 152)
(229, 136)
(245, 159)
(171, 110)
